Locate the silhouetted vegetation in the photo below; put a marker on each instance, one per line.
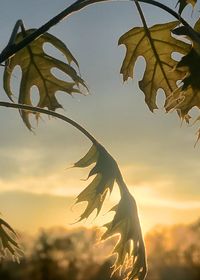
(174, 252)
(56, 254)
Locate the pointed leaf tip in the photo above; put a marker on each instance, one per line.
(105, 170)
(89, 158)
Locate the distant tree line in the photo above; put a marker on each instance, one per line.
(173, 253)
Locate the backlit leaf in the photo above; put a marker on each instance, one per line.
(179, 80)
(130, 248)
(156, 45)
(188, 94)
(8, 242)
(36, 67)
(130, 244)
(89, 158)
(105, 171)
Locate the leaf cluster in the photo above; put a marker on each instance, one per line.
(178, 79)
(130, 248)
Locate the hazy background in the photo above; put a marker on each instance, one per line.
(77, 254)
(156, 155)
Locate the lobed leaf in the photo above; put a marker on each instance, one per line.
(188, 94)
(36, 67)
(179, 80)
(156, 45)
(130, 247)
(131, 244)
(8, 240)
(105, 170)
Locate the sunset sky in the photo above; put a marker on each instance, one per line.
(155, 153)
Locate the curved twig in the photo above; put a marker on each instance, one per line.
(50, 113)
(11, 49)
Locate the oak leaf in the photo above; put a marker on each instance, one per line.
(130, 244)
(130, 248)
(8, 243)
(188, 94)
(105, 171)
(156, 45)
(36, 67)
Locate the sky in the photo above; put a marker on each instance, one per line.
(155, 153)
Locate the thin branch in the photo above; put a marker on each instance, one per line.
(11, 49)
(166, 9)
(141, 14)
(50, 113)
(174, 14)
(13, 36)
(73, 123)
